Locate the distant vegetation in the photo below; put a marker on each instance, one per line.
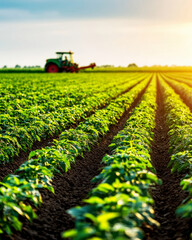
(19, 69)
(142, 69)
(132, 67)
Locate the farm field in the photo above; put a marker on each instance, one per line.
(96, 156)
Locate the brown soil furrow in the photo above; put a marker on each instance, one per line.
(10, 167)
(70, 189)
(168, 196)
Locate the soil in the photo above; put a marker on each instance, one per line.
(168, 196)
(70, 189)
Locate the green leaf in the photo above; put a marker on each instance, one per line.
(94, 200)
(32, 154)
(69, 234)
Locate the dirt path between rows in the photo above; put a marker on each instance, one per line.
(9, 168)
(169, 195)
(70, 189)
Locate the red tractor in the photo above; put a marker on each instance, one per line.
(64, 63)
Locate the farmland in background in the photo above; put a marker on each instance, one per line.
(104, 69)
(129, 131)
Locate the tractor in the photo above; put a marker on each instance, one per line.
(64, 63)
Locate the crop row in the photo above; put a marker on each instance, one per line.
(180, 79)
(22, 188)
(26, 85)
(179, 120)
(52, 98)
(29, 125)
(184, 90)
(32, 93)
(121, 203)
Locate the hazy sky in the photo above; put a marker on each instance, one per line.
(116, 32)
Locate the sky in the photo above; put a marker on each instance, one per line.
(114, 32)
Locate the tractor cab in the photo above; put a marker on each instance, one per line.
(65, 56)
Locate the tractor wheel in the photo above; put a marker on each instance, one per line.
(52, 68)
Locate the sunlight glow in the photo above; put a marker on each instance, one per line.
(104, 41)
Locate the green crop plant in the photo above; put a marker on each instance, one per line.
(39, 170)
(30, 118)
(121, 203)
(179, 120)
